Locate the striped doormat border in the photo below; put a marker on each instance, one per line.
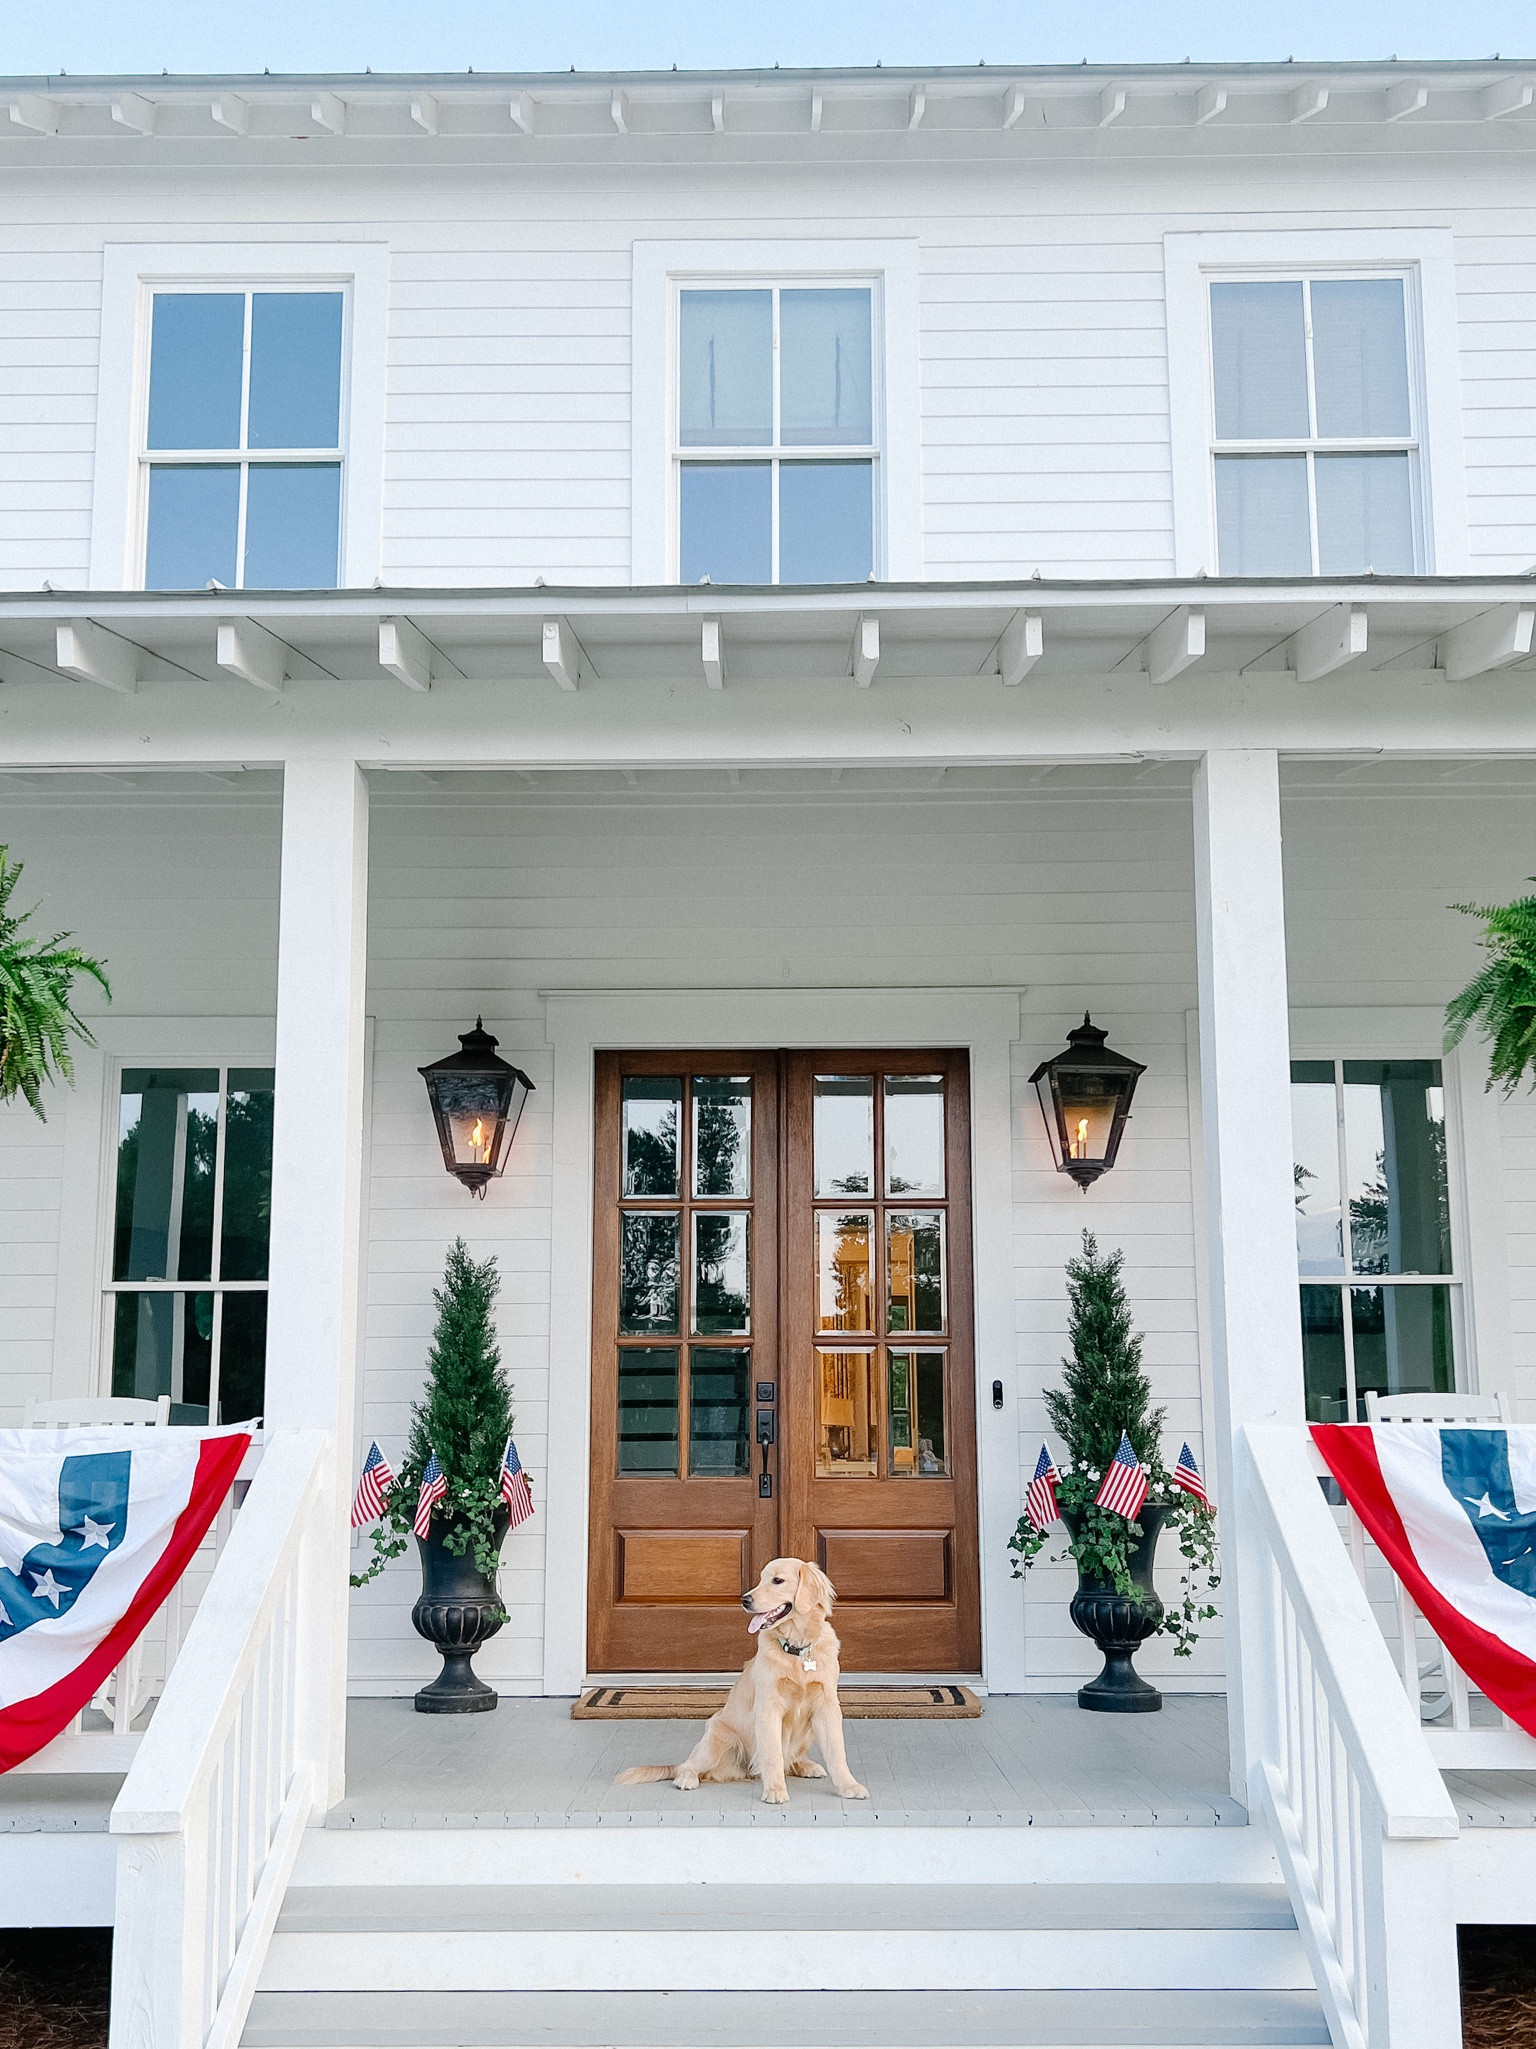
(697, 1703)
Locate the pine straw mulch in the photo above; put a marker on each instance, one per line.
(54, 1987)
(1498, 1988)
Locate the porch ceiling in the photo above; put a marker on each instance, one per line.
(1030, 631)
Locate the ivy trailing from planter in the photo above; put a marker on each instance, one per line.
(1106, 1390)
(1501, 998)
(464, 1415)
(37, 1013)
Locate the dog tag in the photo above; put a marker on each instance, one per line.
(810, 1664)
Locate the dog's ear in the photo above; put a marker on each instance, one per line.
(815, 1590)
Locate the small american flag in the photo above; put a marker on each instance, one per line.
(1124, 1486)
(1186, 1474)
(372, 1488)
(433, 1488)
(515, 1490)
(1040, 1501)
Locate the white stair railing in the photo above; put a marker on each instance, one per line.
(1361, 1821)
(212, 1813)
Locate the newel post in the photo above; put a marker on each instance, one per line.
(1249, 1207)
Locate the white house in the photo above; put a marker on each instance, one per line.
(809, 579)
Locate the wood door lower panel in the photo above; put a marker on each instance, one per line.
(683, 1566)
(887, 1565)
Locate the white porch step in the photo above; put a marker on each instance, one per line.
(854, 1938)
(773, 2018)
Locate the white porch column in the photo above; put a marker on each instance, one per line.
(317, 1187)
(1246, 1118)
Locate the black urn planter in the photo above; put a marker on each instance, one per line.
(1120, 1623)
(457, 1609)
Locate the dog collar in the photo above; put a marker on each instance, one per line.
(794, 1650)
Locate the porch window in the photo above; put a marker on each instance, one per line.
(186, 1303)
(1380, 1295)
(1315, 440)
(242, 453)
(775, 450)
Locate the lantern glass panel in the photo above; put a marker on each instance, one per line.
(1089, 1103)
(472, 1107)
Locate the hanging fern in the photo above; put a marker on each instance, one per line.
(37, 1015)
(1501, 1000)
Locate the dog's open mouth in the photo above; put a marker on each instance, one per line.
(766, 1621)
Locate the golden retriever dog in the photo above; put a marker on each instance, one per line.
(786, 1695)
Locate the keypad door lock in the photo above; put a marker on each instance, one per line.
(765, 1437)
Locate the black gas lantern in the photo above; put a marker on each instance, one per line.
(1085, 1098)
(477, 1098)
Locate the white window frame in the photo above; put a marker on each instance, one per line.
(1424, 258)
(131, 275)
(662, 271)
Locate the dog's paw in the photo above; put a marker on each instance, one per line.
(686, 1782)
(775, 1796)
(853, 1791)
(806, 1770)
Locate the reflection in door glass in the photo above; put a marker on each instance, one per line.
(1394, 1149)
(843, 1134)
(919, 1445)
(720, 1301)
(844, 1289)
(845, 1438)
(1315, 1151)
(648, 1273)
(718, 1446)
(650, 1116)
(648, 1409)
(722, 1134)
(914, 1250)
(914, 1134)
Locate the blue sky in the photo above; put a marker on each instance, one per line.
(82, 36)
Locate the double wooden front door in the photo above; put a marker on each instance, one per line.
(782, 1353)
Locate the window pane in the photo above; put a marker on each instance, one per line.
(1262, 527)
(1394, 1142)
(722, 1135)
(247, 1178)
(167, 1134)
(295, 370)
(194, 526)
(720, 1288)
(648, 1410)
(1259, 359)
(1364, 514)
(725, 359)
(914, 1270)
(242, 1357)
(292, 525)
(826, 522)
(1402, 1342)
(914, 1134)
(1322, 1353)
(1360, 356)
(845, 1435)
(197, 343)
(719, 1446)
(843, 1133)
(844, 1289)
(648, 1273)
(1315, 1144)
(824, 368)
(163, 1344)
(649, 1111)
(919, 1444)
(726, 522)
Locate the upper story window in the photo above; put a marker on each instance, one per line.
(1315, 438)
(1380, 1295)
(243, 440)
(776, 454)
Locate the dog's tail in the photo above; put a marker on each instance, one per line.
(646, 1774)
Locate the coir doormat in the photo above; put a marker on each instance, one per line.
(698, 1703)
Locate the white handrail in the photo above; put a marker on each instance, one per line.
(1361, 1820)
(213, 1809)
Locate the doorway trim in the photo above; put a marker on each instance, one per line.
(579, 1023)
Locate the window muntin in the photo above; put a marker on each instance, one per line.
(1380, 1297)
(1315, 445)
(242, 453)
(776, 449)
(186, 1298)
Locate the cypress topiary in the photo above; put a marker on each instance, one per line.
(1106, 1389)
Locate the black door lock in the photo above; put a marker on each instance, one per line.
(765, 1431)
(997, 1394)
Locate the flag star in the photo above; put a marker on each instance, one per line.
(48, 1588)
(95, 1533)
(1485, 1508)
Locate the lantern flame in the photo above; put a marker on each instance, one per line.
(1079, 1147)
(479, 1141)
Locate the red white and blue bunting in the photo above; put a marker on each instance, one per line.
(1454, 1512)
(96, 1527)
